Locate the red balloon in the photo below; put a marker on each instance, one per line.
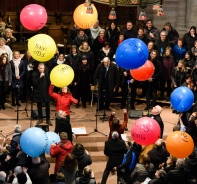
(145, 131)
(144, 72)
(33, 17)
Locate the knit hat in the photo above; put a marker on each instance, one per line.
(18, 170)
(84, 57)
(63, 136)
(114, 135)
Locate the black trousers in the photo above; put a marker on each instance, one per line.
(109, 166)
(151, 91)
(3, 91)
(16, 95)
(105, 96)
(47, 109)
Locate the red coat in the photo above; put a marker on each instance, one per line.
(63, 100)
(120, 130)
(60, 151)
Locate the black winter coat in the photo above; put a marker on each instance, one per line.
(112, 77)
(102, 55)
(83, 160)
(178, 176)
(40, 87)
(39, 173)
(73, 61)
(188, 41)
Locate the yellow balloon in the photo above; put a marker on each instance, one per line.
(41, 47)
(62, 75)
(84, 20)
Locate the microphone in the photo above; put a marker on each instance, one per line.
(17, 86)
(128, 82)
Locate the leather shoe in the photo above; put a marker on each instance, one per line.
(49, 123)
(18, 104)
(3, 107)
(13, 104)
(39, 121)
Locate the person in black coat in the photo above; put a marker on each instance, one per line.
(152, 83)
(18, 73)
(142, 35)
(155, 114)
(63, 124)
(41, 82)
(161, 44)
(173, 35)
(107, 77)
(83, 81)
(82, 156)
(113, 33)
(158, 155)
(80, 38)
(189, 38)
(115, 150)
(179, 175)
(39, 171)
(106, 51)
(129, 32)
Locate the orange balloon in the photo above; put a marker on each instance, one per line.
(144, 72)
(85, 20)
(179, 144)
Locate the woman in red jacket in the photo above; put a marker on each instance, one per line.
(63, 100)
(115, 125)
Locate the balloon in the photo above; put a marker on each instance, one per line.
(62, 75)
(179, 144)
(41, 47)
(33, 141)
(33, 17)
(131, 54)
(85, 20)
(52, 138)
(182, 99)
(145, 131)
(144, 72)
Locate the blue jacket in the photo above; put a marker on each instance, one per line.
(179, 53)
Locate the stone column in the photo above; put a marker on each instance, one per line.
(181, 17)
(191, 13)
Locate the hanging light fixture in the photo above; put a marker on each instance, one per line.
(156, 7)
(112, 14)
(160, 12)
(142, 15)
(87, 2)
(89, 9)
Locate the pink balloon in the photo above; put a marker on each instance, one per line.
(145, 131)
(33, 17)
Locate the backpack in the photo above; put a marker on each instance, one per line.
(133, 161)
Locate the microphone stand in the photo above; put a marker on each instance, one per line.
(31, 98)
(104, 116)
(17, 103)
(128, 100)
(97, 114)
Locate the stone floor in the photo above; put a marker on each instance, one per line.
(80, 118)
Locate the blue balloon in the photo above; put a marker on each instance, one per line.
(131, 54)
(33, 141)
(182, 99)
(52, 138)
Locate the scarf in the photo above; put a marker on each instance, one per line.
(60, 62)
(16, 66)
(102, 40)
(95, 32)
(2, 71)
(106, 51)
(119, 42)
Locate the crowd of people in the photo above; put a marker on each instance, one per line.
(92, 58)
